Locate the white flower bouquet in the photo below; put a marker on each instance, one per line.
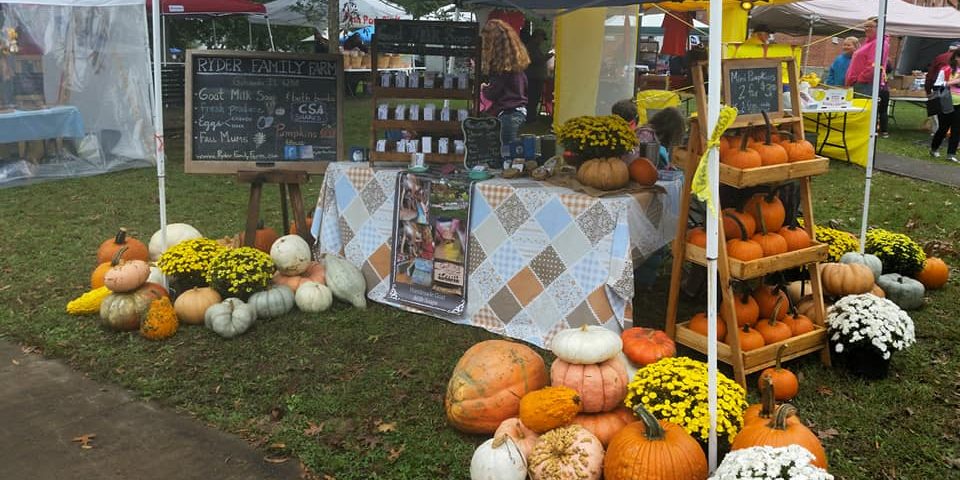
(869, 321)
(770, 463)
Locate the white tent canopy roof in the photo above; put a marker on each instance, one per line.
(284, 12)
(650, 20)
(450, 13)
(902, 18)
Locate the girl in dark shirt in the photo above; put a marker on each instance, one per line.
(504, 60)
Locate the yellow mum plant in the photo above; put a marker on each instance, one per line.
(597, 136)
(840, 242)
(240, 272)
(898, 252)
(675, 389)
(187, 262)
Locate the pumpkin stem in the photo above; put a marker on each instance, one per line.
(788, 134)
(499, 440)
(780, 354)
(743, 230)
(780, 419)
(651, 426)
(776, 310)
(766, 120)
(743, 142)
(117, 257)
(767, 399)
(121, 237)
(583, 328)
(746, 328)
(763, 225)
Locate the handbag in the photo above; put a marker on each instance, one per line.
(939, 101)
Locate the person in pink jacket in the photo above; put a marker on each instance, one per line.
(860, 72)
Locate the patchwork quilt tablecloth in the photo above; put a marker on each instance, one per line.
(541, 258)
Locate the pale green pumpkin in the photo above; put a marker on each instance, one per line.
(906, 292)
(230, 317)
(871, 261)
(273, 302)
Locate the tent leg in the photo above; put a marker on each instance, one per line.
(249, 35)
(806, 56)
(270, 34)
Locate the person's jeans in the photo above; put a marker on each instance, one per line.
(948, 122)
(510, 122)
(882, 105)
(534, 93)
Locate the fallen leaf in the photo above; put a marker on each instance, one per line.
(909, 411)
(276, 413)
(387, 427)
(403, 372)
(954, 462)
(15, 362)
(825, 391)
(394, 453)
(313, 429)
(84, 440)
(373, 338)
(370, 441)
(278, 458)
(827, 434)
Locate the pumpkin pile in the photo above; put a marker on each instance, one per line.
(225, 289)
(753, 147)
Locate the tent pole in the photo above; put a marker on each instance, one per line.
(878, 67)
(249, 35)
(158, 127)
(333, 26)
(806, 56)
(163, 40)
(270, 34)
(713, 159)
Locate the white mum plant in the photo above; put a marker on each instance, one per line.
(871, 321)
(770, 463)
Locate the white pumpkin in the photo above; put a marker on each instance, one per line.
(230, 317)
(906, 292)
(176, 233)
(586, 344)
(273, 302)
(345, 281)
(290, 254)
(498, 459)
(313, 297)
(871, 261)
(794, 288)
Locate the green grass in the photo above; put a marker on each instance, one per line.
(354, 373)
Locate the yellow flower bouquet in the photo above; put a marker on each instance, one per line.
(597, 136)
(675, 389)
(898, 252)
(240, 272)
(187, 262)
(839, 241)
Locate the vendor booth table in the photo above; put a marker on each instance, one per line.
(541, 257)
(21, 126)
(833, 120)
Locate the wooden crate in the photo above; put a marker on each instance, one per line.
(756, 360)
(766, 265)
(749, 177)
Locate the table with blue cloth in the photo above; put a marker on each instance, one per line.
(541, 257)
(21, 126)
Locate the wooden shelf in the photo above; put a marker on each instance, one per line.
(420, 126)
(756, 360)
(405, 157)
(431, 93)
(766, 265)
(773, 121)
(748, 177)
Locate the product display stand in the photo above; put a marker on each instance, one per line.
(289, 182)
(746, 362)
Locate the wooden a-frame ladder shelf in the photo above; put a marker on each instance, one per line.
(730, 269)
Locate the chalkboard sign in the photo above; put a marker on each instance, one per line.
(260, 110)
(482, 141)
(425, 37)
(754, 86)
(28, 81)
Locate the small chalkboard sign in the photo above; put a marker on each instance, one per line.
(754, 86)
(482, 141)
(248, 111)
(425, 37)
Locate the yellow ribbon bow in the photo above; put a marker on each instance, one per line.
(701, 178)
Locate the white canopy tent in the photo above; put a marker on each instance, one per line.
(832, 16)
(650, 21)
(353, 13)
(450, 13)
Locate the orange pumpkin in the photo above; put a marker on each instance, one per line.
(771, 209)
(935, 273)
(525, 438)
(797, 150)
(96, 278)
(549, 408)
(730, 228)
(136, 250)
(698, 323)
(799, 323)
(605, 425)
(293, 226)
(770, 153)
(796, 237)
(643, 171)
(841, 279)
(697, 236)
(771, 243)
(263, 238)
(773, 330)
(604, 173)
(654, 449)
(767, 298)
(779, 432)
(742, 157)
(747, 310)
(602, 386)
(742, 248)
(644, 346)
(488, 382)
(315, 272)
(750, 339)
(785, 383)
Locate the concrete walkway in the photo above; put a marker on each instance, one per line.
(45, 404)
(941, 171)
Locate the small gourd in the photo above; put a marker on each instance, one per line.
(89, 302)
(906, 292)
(549, 408)
(586, 344)
(346, 282)
(272, 302)
(290, 254)
(161, 321)
(567, 453)
(230, 317)
(498, 459)
(313, 297)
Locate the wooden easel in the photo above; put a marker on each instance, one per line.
(289, 182)
(729, 269)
